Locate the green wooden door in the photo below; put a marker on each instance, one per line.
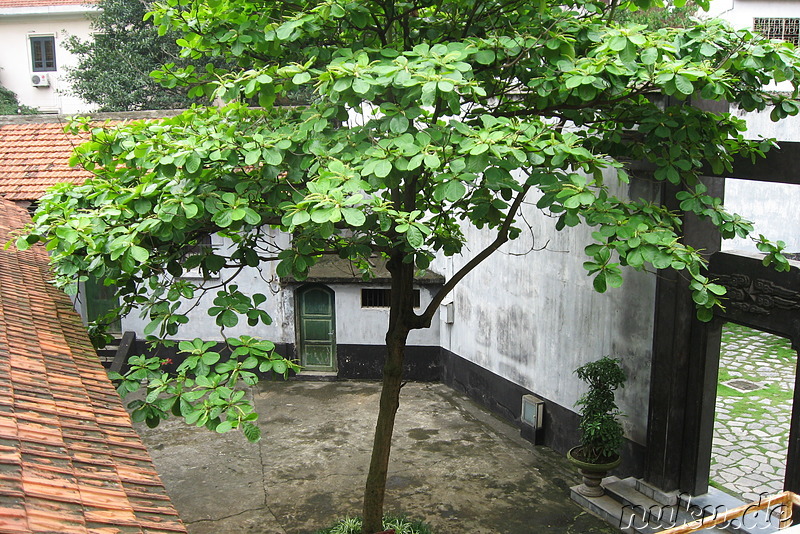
(100, 299)
(317, 329)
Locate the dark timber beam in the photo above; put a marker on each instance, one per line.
(779, 165)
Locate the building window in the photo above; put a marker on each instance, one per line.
(43, 53)
(204, 247)
(381, 298)
(786, 29)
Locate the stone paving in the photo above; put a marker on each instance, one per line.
(754, 402)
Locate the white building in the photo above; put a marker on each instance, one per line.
(777, 19)
(33, 58)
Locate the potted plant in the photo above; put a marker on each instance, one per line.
(601, 431)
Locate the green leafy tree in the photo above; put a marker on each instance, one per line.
(667, 16)
(9, 104)
(427, 118)
(114, 65)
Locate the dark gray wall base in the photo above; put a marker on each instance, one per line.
(422, 363)
(504, 398)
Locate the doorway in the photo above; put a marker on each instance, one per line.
(755, 389)
(101, 299)
(316, 323)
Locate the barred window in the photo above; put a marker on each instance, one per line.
(43, 53)
(787, 29)
(381, 298)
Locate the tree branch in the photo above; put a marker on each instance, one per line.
(424, 320)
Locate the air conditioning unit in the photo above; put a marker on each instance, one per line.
(40, 79)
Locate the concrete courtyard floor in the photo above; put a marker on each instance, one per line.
(453, 465)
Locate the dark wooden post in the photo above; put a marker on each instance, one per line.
(678, 371)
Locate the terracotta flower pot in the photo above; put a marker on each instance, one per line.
(592, 473)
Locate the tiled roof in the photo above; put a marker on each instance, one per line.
(70, 460)
(34, 157)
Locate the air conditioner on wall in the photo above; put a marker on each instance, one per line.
(40, 79)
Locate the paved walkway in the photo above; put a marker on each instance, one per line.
(754, 402)
(453, 465)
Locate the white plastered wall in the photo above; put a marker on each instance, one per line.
(532, 316)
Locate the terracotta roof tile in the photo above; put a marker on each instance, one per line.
(34, 157)
(70, 460)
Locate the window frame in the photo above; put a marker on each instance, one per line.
(38, 43)
(379, 298)
(776, 28)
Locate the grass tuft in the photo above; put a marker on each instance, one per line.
(401, 525)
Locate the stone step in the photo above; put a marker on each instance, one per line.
(627, 509)
(321, 376)
(642, 513)
(626, 506)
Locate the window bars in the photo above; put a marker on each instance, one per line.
(787, 29)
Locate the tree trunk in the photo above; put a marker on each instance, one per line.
(382, 444)
(401, 310)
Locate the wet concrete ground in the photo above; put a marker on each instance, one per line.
(453, 465)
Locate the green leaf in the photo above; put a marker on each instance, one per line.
(649, 55)
(353, 216)
(485, 57)
(210, 358)
(399, 124)
(455, 190)
(432, 161)
(192, 163)
(228, 319)
(272, 156)
(572, 202)
(599, 282)
(700, 297)
(300, 217)
(415, 237)
(428, 93)
(617, 44)
(705, 314)
(224, 426)
(251, 432)
(361, 86)
(683, 84)
(382, 168)
(338, 12)
(252, 156)
(301, 78)
(614, 279)
(323, 215)
(140, 254)
(716, 289)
